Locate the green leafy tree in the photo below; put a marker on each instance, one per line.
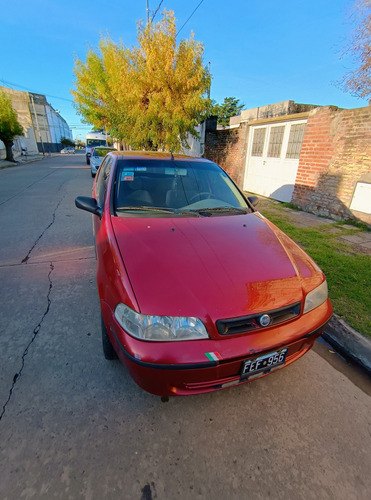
(358, 81)
(67, 142)
(9, 125)
(230, 107)
(150, 96)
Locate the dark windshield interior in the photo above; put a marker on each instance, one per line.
(95, 142)
(179, 187)
(100, 151)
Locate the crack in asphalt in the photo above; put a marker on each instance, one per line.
(25, 259)
(38, 326)
(34, 335)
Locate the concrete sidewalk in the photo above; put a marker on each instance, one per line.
(21, 160)
(339, 334)
(361, 242)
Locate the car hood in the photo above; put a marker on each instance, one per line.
(212, 267)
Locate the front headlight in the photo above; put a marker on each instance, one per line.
(316, 297)
(159, 328)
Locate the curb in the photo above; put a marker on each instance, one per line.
(348, 342)
(19, 163)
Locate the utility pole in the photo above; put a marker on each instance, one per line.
(147, 13)
(208, 90)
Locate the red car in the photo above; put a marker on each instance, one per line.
(198, 291)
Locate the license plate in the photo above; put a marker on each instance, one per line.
(263, 363)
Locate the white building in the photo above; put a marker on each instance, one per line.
(43, 126)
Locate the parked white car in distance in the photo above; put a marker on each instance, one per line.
(68, 151)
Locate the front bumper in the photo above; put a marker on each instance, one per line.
(177, 370)
(181, 380)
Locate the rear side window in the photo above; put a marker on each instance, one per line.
(102, 180)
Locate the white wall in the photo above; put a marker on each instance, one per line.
(196, 146)
(57, 126)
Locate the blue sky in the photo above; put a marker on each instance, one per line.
(260, 51)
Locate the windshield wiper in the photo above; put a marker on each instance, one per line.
(160, 209)
(222, 210)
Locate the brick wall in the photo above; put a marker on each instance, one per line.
(228, 149)
(336, 153)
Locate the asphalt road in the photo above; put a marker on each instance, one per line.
(75, 426)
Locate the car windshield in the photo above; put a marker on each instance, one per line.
(182, 188)
(100, 151)
(95, 142)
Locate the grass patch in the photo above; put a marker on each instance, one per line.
(291, 205)
(348, 273)
(360, 225)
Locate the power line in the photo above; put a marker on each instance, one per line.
(158, 8)
(189, 17)
(34, 92)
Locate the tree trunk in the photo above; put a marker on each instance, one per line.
(9, 151)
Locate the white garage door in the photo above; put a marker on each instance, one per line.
(273, 159)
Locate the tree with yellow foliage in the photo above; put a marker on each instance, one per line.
(151, 95)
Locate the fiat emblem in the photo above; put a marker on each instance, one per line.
(265, 320)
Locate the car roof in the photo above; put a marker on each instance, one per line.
(154, 155)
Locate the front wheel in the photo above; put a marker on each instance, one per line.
(108, 350)
(87, 160)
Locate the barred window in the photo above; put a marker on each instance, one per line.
(258, 142)
(295, 140)
(275, 141)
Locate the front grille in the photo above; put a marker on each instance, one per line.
(251, 323)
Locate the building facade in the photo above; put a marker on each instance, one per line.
(42, 125)
(318, 158)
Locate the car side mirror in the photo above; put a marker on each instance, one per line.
(254, 200)
(89, 204)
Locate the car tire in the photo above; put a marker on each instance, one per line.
(108, 350)
(93, 175)
(87, 161)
